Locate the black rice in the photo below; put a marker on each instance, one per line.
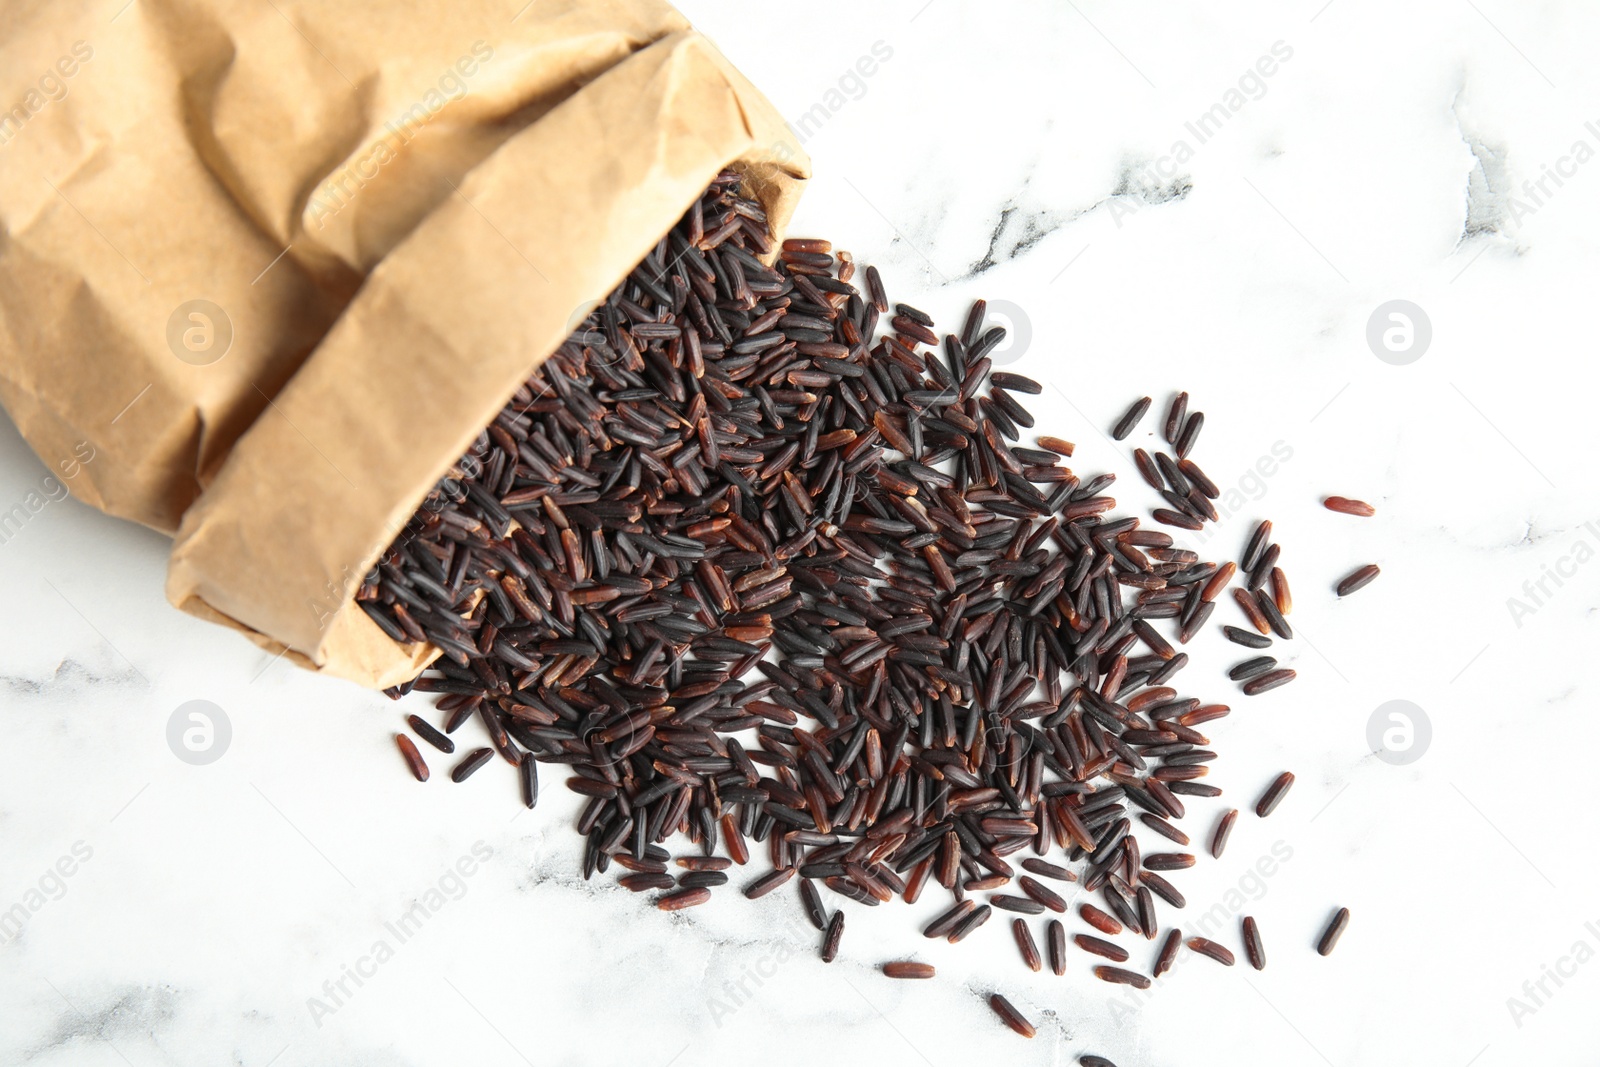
(1274, 794)
(1025, 944)
(1246, 638)
(1253, 948)
(465, 769)
(413, 758)
(1122, 976)
(1251, 668)
(1219, 838)
(1211, 950)
(685, 898)
(1175, 418)
(1130, 419)
(1330, 936)
(1106, 924)
(830, 940)
(759, 574)
(424, 729)
(1270, 680)
(1359, 578)
(1100, 947)
(1169, 952)
(1010, 1015)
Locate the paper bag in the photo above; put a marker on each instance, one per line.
(276, 265)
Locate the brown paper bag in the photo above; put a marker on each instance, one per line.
(277, 265)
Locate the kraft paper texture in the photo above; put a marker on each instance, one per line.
(277, 265)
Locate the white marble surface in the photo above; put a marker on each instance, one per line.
(1011, 151)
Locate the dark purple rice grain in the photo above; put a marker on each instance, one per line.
(1099, 947)
(1046, 896)
(830, 940)
(528, 779)
(875, 290)
(1195, 789)
(1168, 517)
(944, 924)
(1164, 828)
(1182, 504)
(914, 314)
(1025, 944)
(475, 759)
(728, 469)
(1056, 940)
(1251, 668)
(1130, 418)
(911, 328)
(1045, 869)
(646, 881)
(1357, 579)
(1015, 382)
(457, 717)
(1211, 950)
(1147, 467)
(1274, 794)
(1106, 924)
(1201, 482)
(1335, 930)
(1010, 1015)
(1015, 411)
(424, 729)
(768, 882)
(812, 900)
(1146, 907)
(1252, 611)
(1273, 680)
(1168, 861)
(970, 923)
(1275, 620)
(1191, 433)
(413, 758)
(588, 787)
(1173, 475)
(1163, 889)
(1246, 638)
(1175, 418)
(1256, 545)
(1018, 905)
(703, 879)
(1163, 674)
(684, 898)
(1121, 976)
(1219, 838)
(1196, 621)
(1254, 951)
(1094, 1061)
(1169, 952)
(1262, 569)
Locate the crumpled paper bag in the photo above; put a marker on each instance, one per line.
(276, 265)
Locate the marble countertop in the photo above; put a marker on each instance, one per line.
(1157, 199)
